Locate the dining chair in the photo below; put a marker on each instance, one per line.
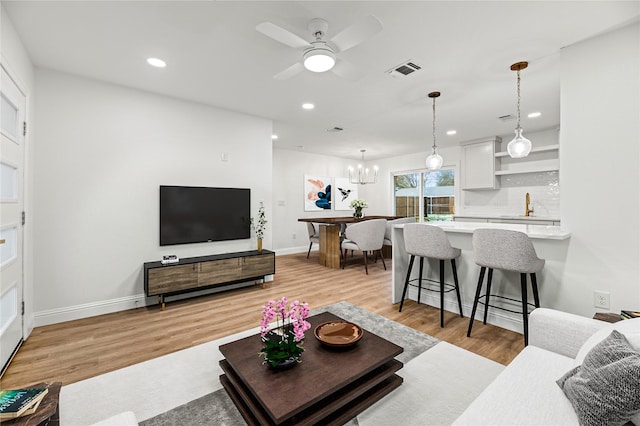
(314, 236)
(366, 236)
(391, 223)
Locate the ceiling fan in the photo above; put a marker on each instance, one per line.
(319, 55)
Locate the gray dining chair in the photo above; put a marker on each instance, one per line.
(391, 223)
(366, 236)
(314, 236)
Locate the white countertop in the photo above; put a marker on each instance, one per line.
(509, 217)
(533, 231)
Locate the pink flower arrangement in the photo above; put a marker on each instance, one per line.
(291, 325)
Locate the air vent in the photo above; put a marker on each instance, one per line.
(335, 129)
(507, 117)
(404, 69)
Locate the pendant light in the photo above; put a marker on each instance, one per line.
(434, 161)
(363, 177)
(519, 146)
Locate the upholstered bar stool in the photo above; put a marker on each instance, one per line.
(431, 242)
(509, 251)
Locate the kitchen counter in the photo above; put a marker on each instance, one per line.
(536, 220)
(551, 244)
(533, 231)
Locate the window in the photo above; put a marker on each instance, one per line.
(430, 195)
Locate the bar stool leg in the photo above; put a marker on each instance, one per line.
(455, 280)
(475, 300)
(406, 282)
(534, 286)
(525, 311)
(441, 293)
(487, 296)
(420, 279)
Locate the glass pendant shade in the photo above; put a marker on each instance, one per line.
(434, 161)
(519, 146)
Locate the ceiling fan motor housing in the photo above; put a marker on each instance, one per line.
(318, 27)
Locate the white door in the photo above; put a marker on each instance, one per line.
(12, 110)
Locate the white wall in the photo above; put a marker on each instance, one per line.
(103, 151)
(289, 169)
(600, 163)
(16, 60)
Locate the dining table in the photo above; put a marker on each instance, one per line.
(329, 235)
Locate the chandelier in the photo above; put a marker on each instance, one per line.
(519, 145)
(434, 161)
(364, 175)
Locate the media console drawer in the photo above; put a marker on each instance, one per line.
(198, 273)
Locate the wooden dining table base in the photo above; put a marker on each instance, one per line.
(330, 246)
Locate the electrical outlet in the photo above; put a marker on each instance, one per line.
(601, 299)
(293, 236)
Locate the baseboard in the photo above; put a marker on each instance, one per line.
(495, 316)
(71, 313)
(292, 250)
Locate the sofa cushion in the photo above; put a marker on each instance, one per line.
(525, 393)
(630, 329)
(604, 389)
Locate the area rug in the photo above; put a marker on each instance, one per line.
(217, 408)
(183, 388)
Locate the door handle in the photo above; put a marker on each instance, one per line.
(2, 241)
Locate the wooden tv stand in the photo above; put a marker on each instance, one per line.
(204, 272)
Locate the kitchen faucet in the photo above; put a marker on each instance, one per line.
(528, 207)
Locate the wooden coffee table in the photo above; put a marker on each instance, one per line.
(330, 386)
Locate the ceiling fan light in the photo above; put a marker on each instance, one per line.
(319, 59)
(519, 146)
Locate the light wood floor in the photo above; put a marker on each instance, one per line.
(76, 350)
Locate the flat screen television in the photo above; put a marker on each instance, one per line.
(191, 214)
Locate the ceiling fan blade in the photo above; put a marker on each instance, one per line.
(289, 72)
(280, 34)
(356, 33)
(346, 70)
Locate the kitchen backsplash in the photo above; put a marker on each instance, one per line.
(543, 189)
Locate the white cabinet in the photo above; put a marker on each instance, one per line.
(479, 164)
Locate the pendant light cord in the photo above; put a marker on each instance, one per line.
(434, 125)
(518, 126)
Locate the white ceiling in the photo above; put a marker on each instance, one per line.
(216, 57)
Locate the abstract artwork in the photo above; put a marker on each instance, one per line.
(344, 193)
(317, 193)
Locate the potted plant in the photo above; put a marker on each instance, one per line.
(282, 345)
(259, 226)
(358, 205)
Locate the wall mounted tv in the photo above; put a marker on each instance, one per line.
(190, 214)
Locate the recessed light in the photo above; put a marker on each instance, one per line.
(155, 62)
(274, 137)
(451, 132)
(534, 114)
(308, 106)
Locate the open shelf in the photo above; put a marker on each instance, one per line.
(528, 170)
(544, 148)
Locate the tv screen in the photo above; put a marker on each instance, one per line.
(190, 214)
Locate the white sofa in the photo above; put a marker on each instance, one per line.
(526, 392)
